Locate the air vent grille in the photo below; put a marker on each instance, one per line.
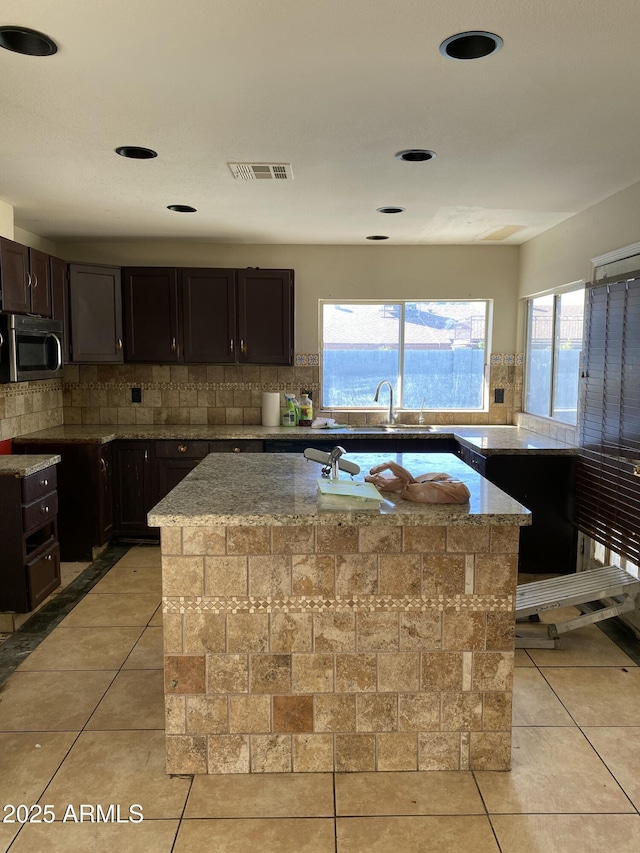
(261, 171)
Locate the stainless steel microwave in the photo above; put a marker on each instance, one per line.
(30, 348)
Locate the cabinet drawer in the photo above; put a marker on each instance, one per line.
(41, 483)
(179, 449)
(43, 576)
(241, 445)
(39, 512)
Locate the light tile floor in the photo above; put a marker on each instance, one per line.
(81, 722)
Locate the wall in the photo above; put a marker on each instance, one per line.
(29, 406)
(6, 220)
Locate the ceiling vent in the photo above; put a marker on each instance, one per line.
(261, 171)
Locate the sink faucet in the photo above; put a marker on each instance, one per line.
(391, 416)
(333, 462)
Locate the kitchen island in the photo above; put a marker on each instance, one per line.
(301, 637)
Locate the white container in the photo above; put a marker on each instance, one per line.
(270, 408)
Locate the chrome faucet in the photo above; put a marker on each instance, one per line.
(392, 415)
(333, 461)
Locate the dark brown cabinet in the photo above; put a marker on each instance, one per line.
(208, 312)
(173, 461)
(24, 279)
(546, 486)
(60, 301)
(95, 309)
(265, 316)
(29, 552)
(214, 316)
(151, 315)
(85, 495)
(132, 488)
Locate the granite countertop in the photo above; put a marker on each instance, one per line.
(484, 439)
(257, 489)
(21, 465)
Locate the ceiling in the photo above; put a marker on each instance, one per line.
(527, 137)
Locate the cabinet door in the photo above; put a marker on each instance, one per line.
(105, 495)
(208, 312)
(170, 472)
(95, 299)
(151, 315)
(265, 316)
(60, 300)
(131, 487)
(14, 269)
(40, 271)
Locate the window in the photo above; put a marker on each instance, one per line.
(554, 343)
(433, 353)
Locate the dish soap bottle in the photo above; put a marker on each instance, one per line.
(289, 416)
(306, 409)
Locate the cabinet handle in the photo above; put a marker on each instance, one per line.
(44, 482)
(49, 557)
(119, 344)
(236, 450)
(231, 345)
(182, 448)
(146, 456)
(103, 465)
(35, 281)
(44, 509)
(174, 345)
(243, 348)
(29, 283)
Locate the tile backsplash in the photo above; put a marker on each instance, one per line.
(220, 394)
(30, 406)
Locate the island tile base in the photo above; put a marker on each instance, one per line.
(345, 647)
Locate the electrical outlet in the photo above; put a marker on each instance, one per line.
(136, 395)
(498, 395)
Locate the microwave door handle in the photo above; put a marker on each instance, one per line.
(59, 349)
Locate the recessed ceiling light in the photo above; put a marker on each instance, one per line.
(471, 45)
(377, 237)
(135, 152)
(182, 208)
(390, 210)
(416, 155)
(28, 42)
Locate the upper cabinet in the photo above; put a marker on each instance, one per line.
(208, 316)
(24, 279)
(95, 308)
(60, 300)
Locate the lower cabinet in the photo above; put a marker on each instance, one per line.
(29, 552)
(85, 519)
(546, 486)
(133, 495)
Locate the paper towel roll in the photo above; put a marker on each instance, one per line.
(270, 408)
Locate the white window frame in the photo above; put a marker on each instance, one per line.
(488, 328)
(555, 292)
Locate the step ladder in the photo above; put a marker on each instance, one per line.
(599, 594)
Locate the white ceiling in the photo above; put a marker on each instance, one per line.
(541, 130)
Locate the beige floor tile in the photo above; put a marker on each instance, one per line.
(28, 760)
(50, 701)
(141, 555)
(534, 702)
(135, 700)
(453, 834)
(8, 832)
(275, 835)
(149, 836)
(555, 771)
(619, 748)
(261, 795)
(147, 652)
(156, 619)
(119, 767)
(130, 578)
(112, 610)
(598, 696)
(444, 793)
(571, 833)
(82, 648)
(587, 646)
(70, 571)
(521, 658)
